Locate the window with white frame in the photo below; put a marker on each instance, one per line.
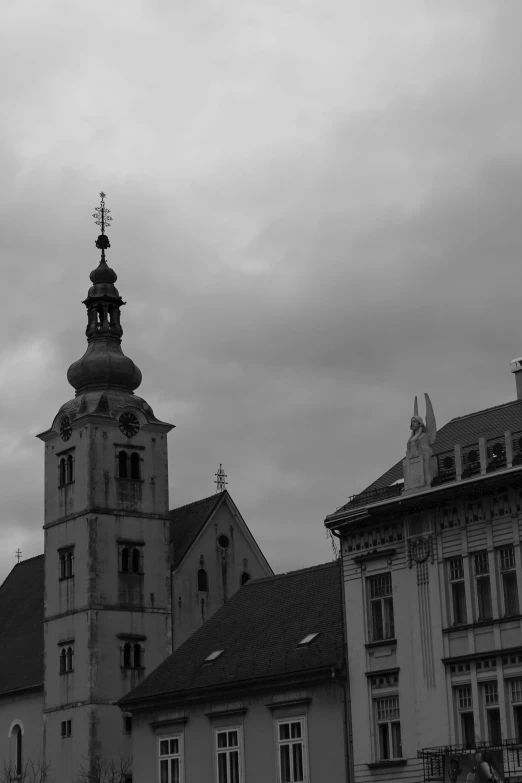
(482, 586)
(171, 759)
(509, 580)
(291, 750)
(458, 590)
(388, 725)
(465, 709)
(382, 624)
(228, 755)
(490, 701)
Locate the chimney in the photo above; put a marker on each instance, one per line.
(516, 367)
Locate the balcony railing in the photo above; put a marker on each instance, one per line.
(460, 462)
(434, 759)
(374, 495)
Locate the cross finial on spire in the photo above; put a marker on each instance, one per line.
(220, 481)
(18, 555)
(103, 218)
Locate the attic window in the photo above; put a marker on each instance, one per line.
(213, 656)
(309, 638)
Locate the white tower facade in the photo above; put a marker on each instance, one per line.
(107, 617)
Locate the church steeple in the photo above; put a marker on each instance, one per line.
(103, 366)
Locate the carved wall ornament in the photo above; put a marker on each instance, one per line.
(420, 549)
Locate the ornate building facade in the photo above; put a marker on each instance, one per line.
(433, 595)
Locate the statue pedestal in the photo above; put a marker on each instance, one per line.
(413, 470)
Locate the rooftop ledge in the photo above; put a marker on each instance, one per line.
(476, 465)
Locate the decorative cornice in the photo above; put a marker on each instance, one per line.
(226, 713)
(160, 724)
(276, 705)
(374, 555)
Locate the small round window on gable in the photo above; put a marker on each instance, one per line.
(223, 541)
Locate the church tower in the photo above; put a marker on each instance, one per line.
(107, 575)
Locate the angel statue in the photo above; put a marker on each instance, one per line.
(419, 446)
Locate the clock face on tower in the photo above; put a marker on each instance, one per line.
(65, 428)
(129, 424)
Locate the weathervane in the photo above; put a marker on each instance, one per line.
(220, 481)
(18, 555)
(103, 218)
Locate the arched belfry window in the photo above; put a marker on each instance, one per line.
(125, 560)
(70, 474)
(202, 581)
(70, 653)
(137, 657)
(135, 465)
(123, 471)
(136, 561)
(62, 472)
(63, 661)
(127, 655)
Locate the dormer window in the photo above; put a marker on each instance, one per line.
(307, 639)
(213, 656)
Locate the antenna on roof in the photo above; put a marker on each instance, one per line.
(18, 555)
(220, 481)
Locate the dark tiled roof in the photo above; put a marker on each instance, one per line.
(259, 629)
(21, 626)
(465, 430)
(186, 523)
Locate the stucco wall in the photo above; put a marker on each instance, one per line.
(324, 723)
(224, 567)
(26, 707)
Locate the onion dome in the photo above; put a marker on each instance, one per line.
(103, 366)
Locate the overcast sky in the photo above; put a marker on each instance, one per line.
(317, 215)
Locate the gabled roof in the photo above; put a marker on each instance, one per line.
(465, 430)
(21, 626)
(259, 630)
(186, 523)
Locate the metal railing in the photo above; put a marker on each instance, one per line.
(434, 759)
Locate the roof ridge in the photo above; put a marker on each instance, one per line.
(297, 572)
(216, 495)
(484, 410)
(28, 559)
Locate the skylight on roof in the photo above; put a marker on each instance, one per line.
(309, 638)
(213, 655)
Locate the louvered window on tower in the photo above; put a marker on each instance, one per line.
(66, 660)
(135, 466)
(132, 656)
(66, 561)
(62, 472)
(122, 465)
